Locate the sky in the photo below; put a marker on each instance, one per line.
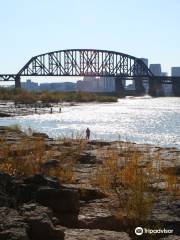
(142, 28)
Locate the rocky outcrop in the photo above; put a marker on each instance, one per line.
(171, 237)
(43, 190)
(63, 202)
(12, 225)
(40, 223)
(36, 207)
(25, 189)
(96, 234)
(6, 200)
(167, 214)
(30, 222)
(87, 158)
(2, 114)
(86, 194)
(96, 215)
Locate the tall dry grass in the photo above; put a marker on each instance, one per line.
(129, 173)
(30, 154)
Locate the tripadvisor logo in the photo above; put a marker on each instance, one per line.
(139, 231)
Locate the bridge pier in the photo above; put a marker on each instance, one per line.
(140, 90)
(17, 82)
(119, 87)
(176, 86)
(155, 87)
(168, 90)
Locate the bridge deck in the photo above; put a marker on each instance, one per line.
(162, 79)
(7, 77)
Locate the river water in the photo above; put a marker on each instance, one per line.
(141, 120)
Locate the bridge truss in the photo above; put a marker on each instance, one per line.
(87, 62)
(82, 62)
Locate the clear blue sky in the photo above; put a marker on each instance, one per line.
(143, 28)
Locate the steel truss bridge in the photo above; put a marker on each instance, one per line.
(90, 62)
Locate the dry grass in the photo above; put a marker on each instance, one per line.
(29, 155)
(123, 175)
(127, 172)
(24, 158)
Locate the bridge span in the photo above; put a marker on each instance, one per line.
(93, 62)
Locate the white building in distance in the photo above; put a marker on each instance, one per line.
(96, 84)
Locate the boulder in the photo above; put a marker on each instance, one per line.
(5, 181)
(40, 180)
(39, 220)
(6, 201)
(86, 193)
(87, 158)
(42, 228)
(60, 200)
(25, 191)
(5, 189)
(12, 225)
(167, 213)
(63, 202)
(40, 223)
(89, 194)
(14, 234)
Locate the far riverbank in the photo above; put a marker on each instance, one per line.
(11, 109)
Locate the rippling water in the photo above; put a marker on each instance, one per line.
(142, 120)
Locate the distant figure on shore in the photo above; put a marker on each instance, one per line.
(60, 109)
(35, 109)
(51, 110)
(88, 134)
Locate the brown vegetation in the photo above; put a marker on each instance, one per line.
(26, 97)
(128, 173)
(124, 175)
(32, 154)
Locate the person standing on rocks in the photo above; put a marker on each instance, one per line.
(88, 134)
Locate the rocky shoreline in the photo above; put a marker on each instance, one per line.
(10, 109)
(56, 196)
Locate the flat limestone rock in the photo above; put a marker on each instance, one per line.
(171, 237)
(96, 234)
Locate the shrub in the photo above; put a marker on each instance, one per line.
(27, 97)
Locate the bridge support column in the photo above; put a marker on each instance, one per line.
(140, 90)
(119, 87)
(168, 90)
(176, 87)
(17, 82)
(155, 87)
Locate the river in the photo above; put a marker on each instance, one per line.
(136, 119)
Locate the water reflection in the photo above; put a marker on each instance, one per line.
(143, 120)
